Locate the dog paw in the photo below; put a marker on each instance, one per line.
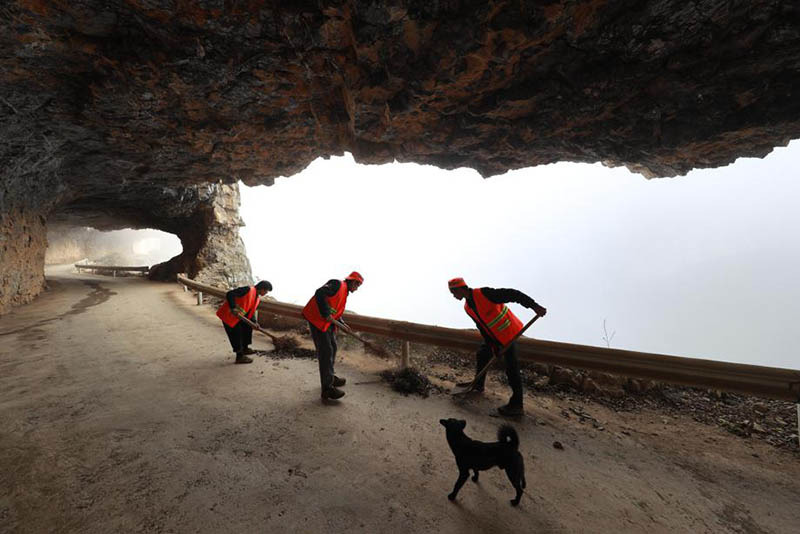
(452, 496)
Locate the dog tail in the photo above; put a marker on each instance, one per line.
(507, 434)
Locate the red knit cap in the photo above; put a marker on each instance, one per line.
(456, 282)
(355, 276)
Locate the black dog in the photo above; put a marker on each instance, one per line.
(480, 456)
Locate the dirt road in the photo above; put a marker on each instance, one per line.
(123, 412)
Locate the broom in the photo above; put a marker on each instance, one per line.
(496, 356)
(380, 351)
(282, 343)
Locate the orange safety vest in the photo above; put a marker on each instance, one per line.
(249, 303)
(496, 319)
(336, 303)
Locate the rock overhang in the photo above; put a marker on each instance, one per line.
(170, 92)
(133, 113)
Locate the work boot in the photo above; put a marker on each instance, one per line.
(478, 387)
(511, 410)
(339, 382)
(332, 393)
(241, 358)
(248, 350)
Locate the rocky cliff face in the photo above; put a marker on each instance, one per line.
(213, 252)
(23, 239)
(113, 112)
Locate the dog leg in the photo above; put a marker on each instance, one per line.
(462, 477)
(475, 476)
(516, 481)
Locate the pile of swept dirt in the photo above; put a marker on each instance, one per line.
(285, 343)
(408, 380)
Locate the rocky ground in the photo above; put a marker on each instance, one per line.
(772, 421)
(123, 412)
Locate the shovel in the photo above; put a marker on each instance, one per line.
(502, 351)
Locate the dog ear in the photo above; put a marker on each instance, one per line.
(462, 424)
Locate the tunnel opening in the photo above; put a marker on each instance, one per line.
(126, 247)
(653, 260)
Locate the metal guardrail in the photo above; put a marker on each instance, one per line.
(113, 268)
(771, 382)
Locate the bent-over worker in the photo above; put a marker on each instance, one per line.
(242, 302)
(327, 304)
(498, 325)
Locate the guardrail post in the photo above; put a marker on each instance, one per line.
(185, 289)
(405, 354)
(199, 298)
(113, 274)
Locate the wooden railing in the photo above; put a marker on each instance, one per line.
(769, 382)
(113, 269)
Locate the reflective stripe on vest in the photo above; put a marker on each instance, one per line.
(248, 302)
(496, 319)
(336, 303)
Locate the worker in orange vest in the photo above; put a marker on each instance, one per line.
(327, 304)
(241, 302)
(498, 325)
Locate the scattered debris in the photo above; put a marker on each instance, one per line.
(292, 353)
(408, 380)
(558, 445)
(772, 421)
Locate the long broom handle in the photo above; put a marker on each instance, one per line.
(350, 332)
(502, 351)
(257, 327)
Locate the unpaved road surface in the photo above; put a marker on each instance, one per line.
(122, 411)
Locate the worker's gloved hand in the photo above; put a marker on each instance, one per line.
(329, 318)
(541, 311)
(239, 311)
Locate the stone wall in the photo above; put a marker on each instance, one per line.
(23, 239)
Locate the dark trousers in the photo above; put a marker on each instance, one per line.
(512, 370)
(240, 336)
(325, 343)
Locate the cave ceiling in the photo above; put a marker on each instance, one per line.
(111, 110)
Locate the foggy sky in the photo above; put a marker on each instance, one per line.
(702, 266)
